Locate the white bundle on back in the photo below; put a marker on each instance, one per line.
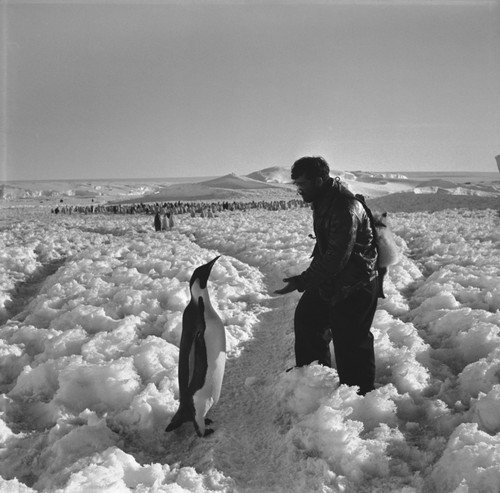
(388, 251)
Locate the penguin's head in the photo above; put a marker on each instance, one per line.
(202, 273)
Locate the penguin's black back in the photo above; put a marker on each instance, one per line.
(198, 371)
(193, 352)
(192, 361)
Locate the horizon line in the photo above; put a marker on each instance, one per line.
(166, 178)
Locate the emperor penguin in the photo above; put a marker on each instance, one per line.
(157, 221)
(202, 356)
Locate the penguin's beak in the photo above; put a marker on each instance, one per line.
(202, 273)
(212, 262)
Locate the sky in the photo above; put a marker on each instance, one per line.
(99, 90)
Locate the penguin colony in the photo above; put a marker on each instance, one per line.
(202, 356)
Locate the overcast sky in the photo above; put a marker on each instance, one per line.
(164, 89)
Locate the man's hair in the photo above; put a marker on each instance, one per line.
(311, 167)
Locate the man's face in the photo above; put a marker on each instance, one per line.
(308, 188)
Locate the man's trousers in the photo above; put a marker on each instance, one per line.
(347, 323)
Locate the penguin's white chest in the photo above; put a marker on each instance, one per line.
(215, 343)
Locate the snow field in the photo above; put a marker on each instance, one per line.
(89, 360)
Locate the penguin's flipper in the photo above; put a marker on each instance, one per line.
(198, 363)
(181, 416)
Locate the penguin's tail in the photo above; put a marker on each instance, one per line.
(181, 416)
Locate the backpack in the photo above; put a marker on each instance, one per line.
(388, 251)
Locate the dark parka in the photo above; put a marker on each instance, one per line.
(345, 256)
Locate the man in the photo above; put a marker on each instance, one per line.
(340, 285)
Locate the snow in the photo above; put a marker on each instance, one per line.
(91, 312)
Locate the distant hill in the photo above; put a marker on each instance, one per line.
(185, 191)
(437, 183)
(275, 174)
(413, 202)
(236, 182)
(227, 187)
(273, 183)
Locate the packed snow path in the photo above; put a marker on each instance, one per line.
(246, 445)
(89, 360)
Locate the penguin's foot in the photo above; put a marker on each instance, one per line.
(205, 431)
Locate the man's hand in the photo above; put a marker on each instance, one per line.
(291, 285)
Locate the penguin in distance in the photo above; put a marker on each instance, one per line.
(202, 356)
(157, 221)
